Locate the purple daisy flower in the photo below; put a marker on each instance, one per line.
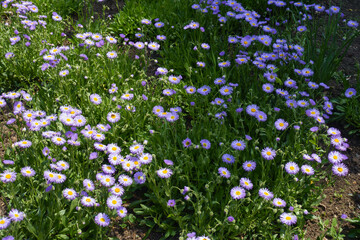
(113, 117)
(69, 193)
(238, 145)
(171, 203)
(281, 124)
(122, 212)
(307, 169)
(340, 169)
(288, 218)
(237, 193)
(224, 172)
(291, 168)
(205, 144)
(102, 220)
(278, 202)
(227, 158)
(266, 194)
(187, 142)
(246, 183)
(249, 166)
(164, 173)
(350, 92)
(8, 176)
(268, 153)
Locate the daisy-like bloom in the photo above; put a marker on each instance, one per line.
(168, 92)
(63, 73)
(333, 131)
(154, 46)
(301, 28)
(246, 183)
(79, 121)
(291, 168)
(100, 146)
(252, 110)
(111, 55)
(69, 193)
(334, 9)
(59, 178)
(157, 110)
(204, 90)
(186, 142)
(238, 145)
(219, 81)
(307, 169)
(288, 218)
(302, 103)
(161, 37)
(340, 169)
(4, 222)
(117, 190)
(268, 153)
(122, 212)
(226, 90)
(113, 117)
(58, 140)
(3, 103)
(145, 158)
(89, 42)
(127, 96)
(8, 176)
(16, 216)
(237, 193)
(9, 55)
(205, 144)
(111, 39)
(98, 137)
(107, 181)
(164, 172)
(174, 79)
(161, 71)
(159, 24)
(337, 140)
(278, 202)
(115, 159)
(224, 172)
(89, 185)
(312, 113)
(249, 166)
(200, 64)
(108, 169)
(171, 203)
(63, 165)
(50, 176)
(114, 202)
(49, 57)
(88, 201)
(261, 116)
(190, 89)
(227, 158)
(128, 165)
(113, 148)
(27, 172)
(350, 92)
(102, 220)
(281, 124)
(268, 88)
(95, 99)
(23, 143)
(335, 157)
(125, 180)
(266, 194)
(139, 178)
(224, 64)
(139, 45)
(56, 18)
(172, 117)
(352, 24)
